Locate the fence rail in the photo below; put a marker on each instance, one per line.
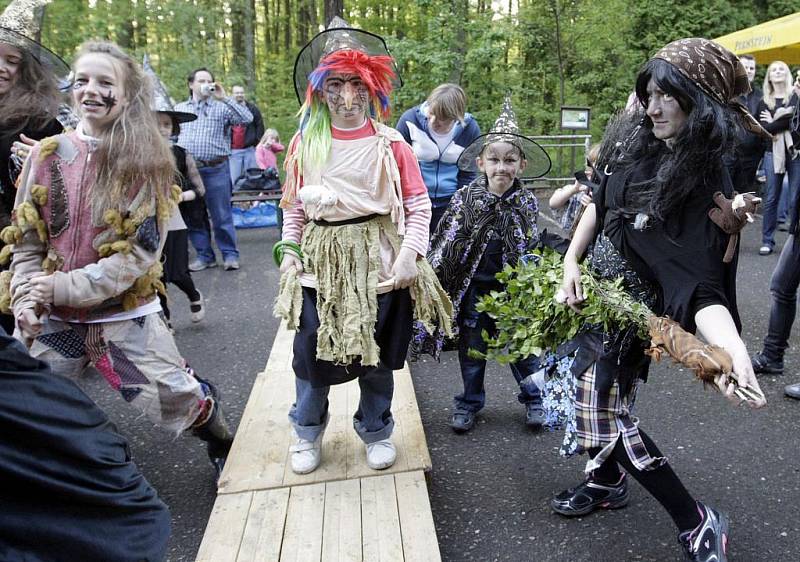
(568, 155)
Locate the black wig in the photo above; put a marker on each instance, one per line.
(694, 159)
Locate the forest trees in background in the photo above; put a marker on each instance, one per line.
(488, 46)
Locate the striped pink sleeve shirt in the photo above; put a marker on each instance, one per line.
(416, 204)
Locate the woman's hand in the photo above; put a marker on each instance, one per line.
(42, 289)
(404, 269)
(188, 195)
(290, 261)
(571, 284)
(29, 324)
(781, 111)
(766, 116)
(746, 378)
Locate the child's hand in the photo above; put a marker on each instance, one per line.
(29, 324)
(189, 195)
(404, 269)
(42, 289)
(291, 261)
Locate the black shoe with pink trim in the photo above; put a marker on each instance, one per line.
(708, 542)
(590, 496)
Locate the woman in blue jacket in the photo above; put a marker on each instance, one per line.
(438, 131)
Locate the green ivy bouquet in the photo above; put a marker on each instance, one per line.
(530, 321)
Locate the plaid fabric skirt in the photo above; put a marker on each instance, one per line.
(604, 416)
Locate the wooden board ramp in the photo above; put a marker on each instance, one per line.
(383, 518)
(259, 459)
(343, 511)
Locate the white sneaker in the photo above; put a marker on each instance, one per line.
(381, 454)
(198, 308)
(306, 455)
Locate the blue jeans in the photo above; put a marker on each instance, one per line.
(217, 180)
(372, 421)
(471, 323)
(773, 195)
(241, 159)
(783, 286)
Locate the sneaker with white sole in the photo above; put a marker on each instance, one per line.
(381, 454)
(198, 308)
(306, 455)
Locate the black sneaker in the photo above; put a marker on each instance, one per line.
(709, 541)
(590, 496)
(462, 421)
(534, 415)
(764, 366)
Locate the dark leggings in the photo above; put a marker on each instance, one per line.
(186, 285)
(662, 482)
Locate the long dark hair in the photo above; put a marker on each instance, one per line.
(694, 158)
(33, 99)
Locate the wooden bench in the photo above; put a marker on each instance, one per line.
(343, 510)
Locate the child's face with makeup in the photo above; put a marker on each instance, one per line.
(97, 91)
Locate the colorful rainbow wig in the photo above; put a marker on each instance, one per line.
(376, 72)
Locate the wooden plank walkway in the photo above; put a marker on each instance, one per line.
(383, 518)
(343, 511)
(259, 459)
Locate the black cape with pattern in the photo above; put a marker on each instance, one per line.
(460, 240)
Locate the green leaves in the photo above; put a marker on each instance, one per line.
(530, 321)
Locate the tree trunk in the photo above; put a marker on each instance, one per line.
(249, 45)
(267, 27)
(333, 8)
(287, 26)
(459, 49)
(558, 48)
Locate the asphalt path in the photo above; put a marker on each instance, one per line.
(490, 488)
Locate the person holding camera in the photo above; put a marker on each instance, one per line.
(244, 138)
(207, 140)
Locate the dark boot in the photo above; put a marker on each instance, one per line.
(214, 431)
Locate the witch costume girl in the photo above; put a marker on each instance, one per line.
(490, 223)
(652, 224)
(356, 217)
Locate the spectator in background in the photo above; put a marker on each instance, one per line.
(575, 196)
(438, 131)
(750, 148)
(208, 142)
(268, 148)
(775, 112)
(244, 138)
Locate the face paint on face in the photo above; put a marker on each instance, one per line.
(502, 163)
(97, 91)
(665, 112)
(347, 98)
(109, 101)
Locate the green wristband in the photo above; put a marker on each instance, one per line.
(280, 248)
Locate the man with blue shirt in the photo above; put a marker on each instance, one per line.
(438, 131)
(208, 140)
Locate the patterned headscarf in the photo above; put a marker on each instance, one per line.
(716, 71)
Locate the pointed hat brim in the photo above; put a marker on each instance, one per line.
(42, 54)
(315, 50)
(538, 161)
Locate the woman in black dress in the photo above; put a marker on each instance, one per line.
(650, 224)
